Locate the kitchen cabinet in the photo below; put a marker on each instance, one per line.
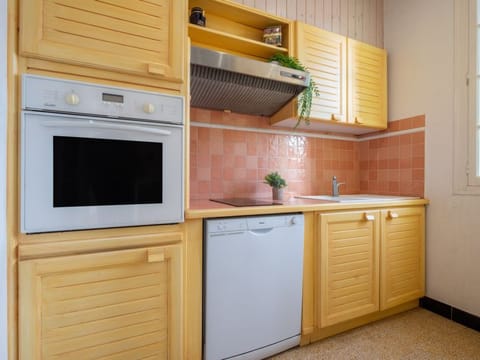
(367, 85)
(238, 29)
(324, 54)
(348, 270)
(351, 77)
(368, 261)
(402, 256)
(115, 304)
(133, 37)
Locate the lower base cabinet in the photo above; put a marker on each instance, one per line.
(348, 267)
(122, 304)
(368, 261)
(402, 275)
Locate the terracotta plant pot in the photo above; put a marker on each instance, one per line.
(277, 193)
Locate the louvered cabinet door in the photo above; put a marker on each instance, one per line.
(367, 84)
(113, 305)
(402, 276)
(324, 54)
(134, 36)
(348, 273)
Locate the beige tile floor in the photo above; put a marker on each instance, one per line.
(414, 335)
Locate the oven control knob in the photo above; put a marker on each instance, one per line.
(149, 108)
(72, 99)
(293, 221)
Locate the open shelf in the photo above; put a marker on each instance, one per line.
(236, 28)
(231, 43)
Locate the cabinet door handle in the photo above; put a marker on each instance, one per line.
(154, 255)
(369, 217)
(392, 215)
(157, 69)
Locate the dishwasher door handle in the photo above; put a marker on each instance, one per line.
(261, 231)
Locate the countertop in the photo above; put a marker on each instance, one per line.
(209, 209)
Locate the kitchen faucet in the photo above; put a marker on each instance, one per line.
(336, 186)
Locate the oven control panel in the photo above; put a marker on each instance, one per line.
(40, 93)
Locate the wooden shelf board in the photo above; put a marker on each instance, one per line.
(211, 37)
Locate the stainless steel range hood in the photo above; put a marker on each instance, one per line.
(226, 82)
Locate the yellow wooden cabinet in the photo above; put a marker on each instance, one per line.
(135, 37)
(351, 77)
(402, 256)
(367, 84)
(324, 54)
(368, 261)
(121, 304)
(348, 268)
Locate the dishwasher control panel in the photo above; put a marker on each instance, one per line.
(253, 223)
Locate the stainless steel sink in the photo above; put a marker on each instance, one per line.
(357, 198)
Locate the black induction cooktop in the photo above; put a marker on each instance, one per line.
(239, 202)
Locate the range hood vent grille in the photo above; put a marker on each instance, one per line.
(242, 85)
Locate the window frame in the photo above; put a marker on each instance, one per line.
(466, 140)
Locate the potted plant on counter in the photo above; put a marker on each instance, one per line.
(277, 183)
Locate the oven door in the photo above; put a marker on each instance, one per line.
(83, 172)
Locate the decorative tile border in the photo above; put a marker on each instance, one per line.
(232, 121)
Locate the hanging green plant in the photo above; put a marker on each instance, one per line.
(306, 97)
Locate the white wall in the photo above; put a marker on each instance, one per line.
(357, 19)
(3, 150)
(419, 37)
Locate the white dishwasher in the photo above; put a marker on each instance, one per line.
(253, 269)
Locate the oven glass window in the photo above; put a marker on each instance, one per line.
(90, 172)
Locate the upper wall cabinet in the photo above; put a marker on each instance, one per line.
(238, 29)
(324, 53)
(367, 84)
(351, 77)
(133, 37)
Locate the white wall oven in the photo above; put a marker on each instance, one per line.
(96, 156)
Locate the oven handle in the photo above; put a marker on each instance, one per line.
(105, 125)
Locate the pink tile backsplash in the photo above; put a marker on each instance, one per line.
(394, 165)
(232, 163)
